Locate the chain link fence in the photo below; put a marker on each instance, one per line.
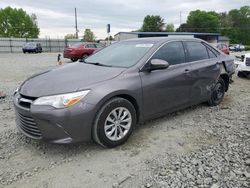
(14, 45)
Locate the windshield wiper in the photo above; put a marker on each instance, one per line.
(98, 64)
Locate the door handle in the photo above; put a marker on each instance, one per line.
(187, 72)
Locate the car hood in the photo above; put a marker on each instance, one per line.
(66, 79)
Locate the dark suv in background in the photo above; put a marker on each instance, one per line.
(32, 47)
(81, 50)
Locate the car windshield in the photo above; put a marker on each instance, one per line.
(122, 54)
(30, 44)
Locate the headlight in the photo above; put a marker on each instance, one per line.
(61, 101)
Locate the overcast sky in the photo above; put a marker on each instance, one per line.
(56, 17)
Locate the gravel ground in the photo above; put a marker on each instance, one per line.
(200, 146)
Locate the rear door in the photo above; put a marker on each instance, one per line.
(167, 89)
(90, 48)
(205, 69)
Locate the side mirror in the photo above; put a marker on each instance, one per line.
(157, 64)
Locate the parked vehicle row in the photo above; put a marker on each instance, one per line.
(237, 48)
(223, 47)
(104, 97)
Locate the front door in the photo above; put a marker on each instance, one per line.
(167, 89)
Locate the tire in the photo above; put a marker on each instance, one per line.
(248, 75)
(218, 93)
(84, 56)
(116, 130)
(241, 74)
(74, 59)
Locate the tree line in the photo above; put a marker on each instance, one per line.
(234, 24)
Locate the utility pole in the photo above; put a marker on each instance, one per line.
(76, 24)
(180, 20)
(108, 31)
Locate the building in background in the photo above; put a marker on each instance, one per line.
(209, 37)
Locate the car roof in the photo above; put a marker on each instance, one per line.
(163, 39)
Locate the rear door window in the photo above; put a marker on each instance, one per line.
(196, 51)
(210, 53)
(172, 52)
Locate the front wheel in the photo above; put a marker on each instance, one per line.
(243, 74)
(74, 59)
(114, 123)
(218, 93)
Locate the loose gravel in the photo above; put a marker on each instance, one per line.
(199, 146)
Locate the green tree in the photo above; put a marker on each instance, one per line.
(202, 22)
(88, 35)
(182, 28)
(170, 28)
(70, 36)
(153, 23)
(236, 25)
(17, 23)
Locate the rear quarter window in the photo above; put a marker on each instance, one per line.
(211, 54)
(212, 51)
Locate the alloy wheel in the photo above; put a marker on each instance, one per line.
(118, 123)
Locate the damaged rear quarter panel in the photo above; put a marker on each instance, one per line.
(204, 74)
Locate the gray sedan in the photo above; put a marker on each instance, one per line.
(106, 95)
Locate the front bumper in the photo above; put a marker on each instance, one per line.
(69, 125)
(242, 67)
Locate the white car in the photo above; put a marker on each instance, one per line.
(242, 65)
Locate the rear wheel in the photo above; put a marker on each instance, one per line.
(218, 93)
(84, 56)
(114, 123)
(74, 59)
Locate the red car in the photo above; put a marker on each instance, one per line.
(223, 47)
(81, 50)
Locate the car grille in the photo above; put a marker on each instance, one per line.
(26, 122)
(247, 61)
(26, 101)
(28, 125)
